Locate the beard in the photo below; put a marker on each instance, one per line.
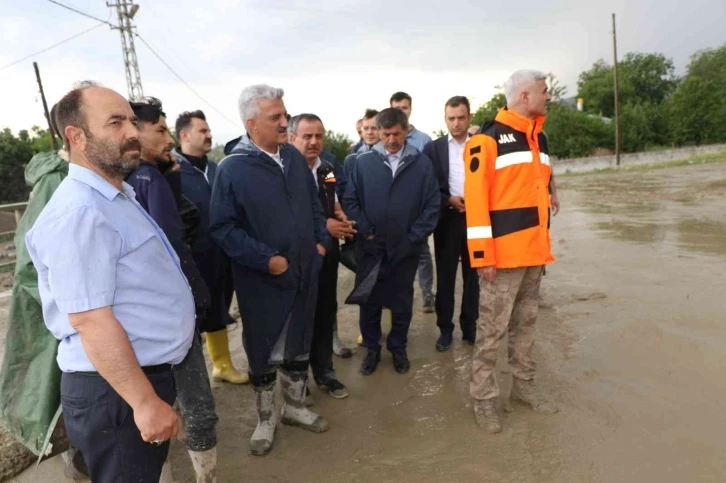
(112, 159)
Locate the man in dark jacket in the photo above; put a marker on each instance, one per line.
(266, 215)
(393, 195)
(447, 154)
(155, 195)
(197, 179)
(307, 134)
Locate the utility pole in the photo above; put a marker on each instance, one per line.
(126, 9)
(45, 108)
(617, 96)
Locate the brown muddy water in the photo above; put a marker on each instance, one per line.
(631, 344)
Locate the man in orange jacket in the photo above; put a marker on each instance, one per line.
(508, 173)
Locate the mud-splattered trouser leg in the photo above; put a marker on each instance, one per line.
(196, 402)
(509, 304)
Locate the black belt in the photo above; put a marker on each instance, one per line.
(147, 370)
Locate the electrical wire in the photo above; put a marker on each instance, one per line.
(50, 47)
(183, 81)
(82, 13)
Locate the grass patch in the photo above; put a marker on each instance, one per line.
(695, 160)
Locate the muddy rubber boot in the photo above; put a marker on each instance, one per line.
(205, 465)
(527, 392)
(295, 413)
(486, 415)
(339, 349)
(261, 441)
(166, 473)
(223, 370)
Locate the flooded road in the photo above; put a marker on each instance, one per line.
(631, 344)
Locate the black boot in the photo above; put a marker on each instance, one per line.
(370, 363)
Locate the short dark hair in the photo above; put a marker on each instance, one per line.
(390, 117)
(184, 121)
(456, 101)
(69, 111)
(147, 109)
(53, 125)
(399, 96)
(295, 120)
(370, 114)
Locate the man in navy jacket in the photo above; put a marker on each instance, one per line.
(393, 195)
(266, 215)
(197, 178)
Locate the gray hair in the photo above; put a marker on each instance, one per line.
(520, 80)
(249, 100)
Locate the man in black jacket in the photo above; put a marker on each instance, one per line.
(155, 195)
(450, 235)
(306, 134)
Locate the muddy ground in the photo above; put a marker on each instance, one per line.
(631, 343)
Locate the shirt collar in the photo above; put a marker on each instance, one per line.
(88, 177)
(452, 140)
(317, 164)
(393, 155)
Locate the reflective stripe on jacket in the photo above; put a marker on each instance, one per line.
(506, 193)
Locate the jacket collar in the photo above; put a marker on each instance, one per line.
(408, 153)
(520, 123)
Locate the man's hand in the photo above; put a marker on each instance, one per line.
(555, 201)
(321, 249)
(458, 203)
(339, 213)
(370, 237)
(156, 420)
(277, 265)
(340, 229)
(487, 273)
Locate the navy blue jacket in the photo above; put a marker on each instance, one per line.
(213, 263)
(155, 195)
(401, 211)
(258, 210)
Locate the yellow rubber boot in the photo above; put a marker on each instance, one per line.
(218, 348)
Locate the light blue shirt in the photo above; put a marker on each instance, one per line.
(418, 139)
(393, 160)
(95, 246)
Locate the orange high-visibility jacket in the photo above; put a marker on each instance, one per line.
(506, 193)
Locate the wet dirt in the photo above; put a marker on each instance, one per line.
(631, 344)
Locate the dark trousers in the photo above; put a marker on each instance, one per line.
(449, 245)
(101, 425)
(326, 312)
(196, 401)
(398, 297)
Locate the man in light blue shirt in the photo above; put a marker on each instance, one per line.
(113, 293)
(418, 139)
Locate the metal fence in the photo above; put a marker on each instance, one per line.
(18, 209)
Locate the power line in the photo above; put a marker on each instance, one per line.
(51, 47)
(183, 81)
(82, 13)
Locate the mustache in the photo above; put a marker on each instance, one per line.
(133, 144)
(281, 130)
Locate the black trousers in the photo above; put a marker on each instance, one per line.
(449, 246)
(326, 312)
(101, 425)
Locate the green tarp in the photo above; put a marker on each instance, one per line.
(30, 377)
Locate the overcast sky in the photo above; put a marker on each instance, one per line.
(335, 57)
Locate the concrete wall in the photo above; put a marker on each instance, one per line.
(593, 163)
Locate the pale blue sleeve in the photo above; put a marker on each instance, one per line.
(78, 252)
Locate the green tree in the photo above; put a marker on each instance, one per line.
(488, 111)
(697, 110)
(338, 144)
(15, 152)
(573, 134)
(643, 78)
